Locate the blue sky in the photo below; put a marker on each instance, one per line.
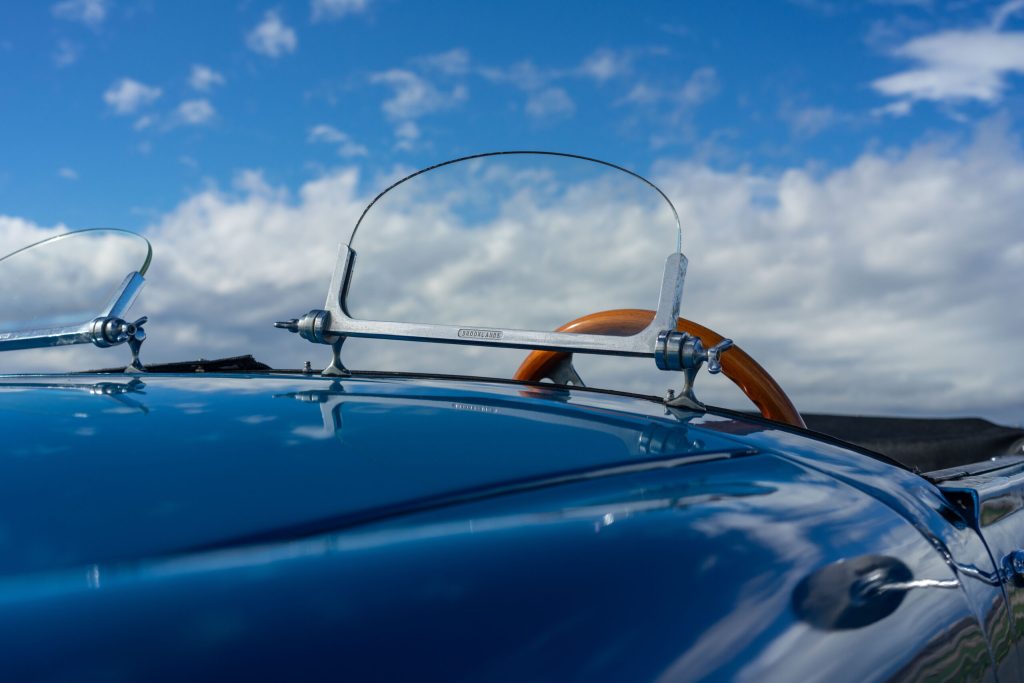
(764, 84)
(850, 175)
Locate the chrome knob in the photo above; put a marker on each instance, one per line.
(714, 355)
(313, 326)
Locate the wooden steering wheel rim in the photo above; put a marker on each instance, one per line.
(745, 372)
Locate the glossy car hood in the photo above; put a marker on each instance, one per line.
(679, 573)
(102, 468)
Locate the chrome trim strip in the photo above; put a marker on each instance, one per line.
(642, 344)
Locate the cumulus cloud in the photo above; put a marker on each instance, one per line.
(329, 10)
(414, 96)
(127, 96)
(92, 13)
(203, 78)
(550, 103)
(272, 37)
(329, 134)
(253, 182)
(957, 65)
(16, 233)
(194, 112)
(888, 285)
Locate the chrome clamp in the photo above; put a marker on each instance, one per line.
(687, 353)
(110, 331)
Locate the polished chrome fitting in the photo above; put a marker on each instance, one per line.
(685, 352)
(313, 326)
(111, 331)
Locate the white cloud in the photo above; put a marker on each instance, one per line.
(454, 62)
(67, 173)
(328, 10)
(414, 96)
(127, 96)
(925, 4)
(194, 112)
(16, 233)
(605, 64)
(325, 133)
(252, 182)
(642, 93)
(89, 12)
(203, 78)
(670, 110)
(959, 65)
(601, 66)
(806, 122)
(406, 135)
(700, 87)
(524, 75)
(144, 122)
(855, 288)
(896, 109)
(550, 103)
(271, 37)
(66, 54)
(1005, 11)
(347, 147)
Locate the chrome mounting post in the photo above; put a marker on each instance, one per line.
(564, 373)
(110, 331)
(685, 352)
(135, 345)
(336, 368)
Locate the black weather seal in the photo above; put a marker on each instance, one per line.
(231, 364)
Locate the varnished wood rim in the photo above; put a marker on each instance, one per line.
(745, 372)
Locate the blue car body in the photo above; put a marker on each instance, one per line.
(277, 526)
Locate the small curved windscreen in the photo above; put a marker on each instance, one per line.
(68, 279)
(524, 240)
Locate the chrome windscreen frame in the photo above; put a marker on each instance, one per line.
(660, 340)
(670, 349)
(107, 329)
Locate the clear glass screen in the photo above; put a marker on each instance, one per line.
(520, 240)
(68, 279)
